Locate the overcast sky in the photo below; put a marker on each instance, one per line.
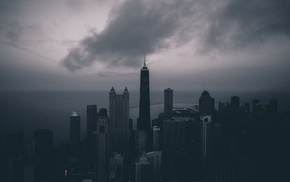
(233, 45)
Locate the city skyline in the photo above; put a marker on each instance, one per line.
(191, 145)
(223, 117)
(191, 45)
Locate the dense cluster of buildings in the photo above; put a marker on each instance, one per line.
(200, 143)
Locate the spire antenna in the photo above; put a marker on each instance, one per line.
(144, 61)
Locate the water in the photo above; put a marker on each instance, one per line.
(31, 110)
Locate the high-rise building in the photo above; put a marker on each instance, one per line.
(116, 168)
(143, 170)
(102, 134)
(92, 117)
(89, 149)
(43, 140)
(155, 158)
(156, 141)
(119, 121)
(245, 108)
(254, 106)
(235, 103)
(144, 120)
(206, 140)
(15, 143)
(140, 142)
(206, 104)
(168, 103)
(174, 134)
(75, 133)
(224, 173)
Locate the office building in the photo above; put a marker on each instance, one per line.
(245, 108)
(116, 168)
(174, 134)
(102, 135)
(206, 104)
(206, 140)
(43, 143)
(92, 117)
(255, 102)
(140, 142)
(155, 159)
(75, 133)
(168, 103)
(156, 138)
(223, 173)
(90, 145)
(15, 143)
(235, 103)
(144, 120)
(143, 170)
(119, 121)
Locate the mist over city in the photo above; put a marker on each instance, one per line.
(144, 90)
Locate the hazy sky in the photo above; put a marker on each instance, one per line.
(189, 44)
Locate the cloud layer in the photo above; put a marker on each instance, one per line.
(136, 28)
(242, 22)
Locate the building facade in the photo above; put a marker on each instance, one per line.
(102, 135)
(168, 103)
(75, 133)
(206, 104)
(119, 121)
(144, 120)
(92, 117)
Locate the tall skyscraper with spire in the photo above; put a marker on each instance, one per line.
(144, 102)
(144, 121)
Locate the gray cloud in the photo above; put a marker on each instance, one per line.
(75, 5)
(135, 28)
(12, 32)
(244, 22)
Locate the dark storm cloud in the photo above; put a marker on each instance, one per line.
(135, 29)
(139, 28)
(244, 22)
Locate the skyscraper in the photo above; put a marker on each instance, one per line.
(174, 134)
(15, 143)
(168, 103)
(206, 104)
(144, 120)
(43, 139)
(155, 158)
(119, 121)
(92, 116)
(116, 168)
(235, 103)
(255, 102)
(143, 170)
(90, 145)
(206, 140)
(102, 134)
(156, 133)
(75, 133)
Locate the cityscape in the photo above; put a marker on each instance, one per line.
(237, 141)
(144, 91)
